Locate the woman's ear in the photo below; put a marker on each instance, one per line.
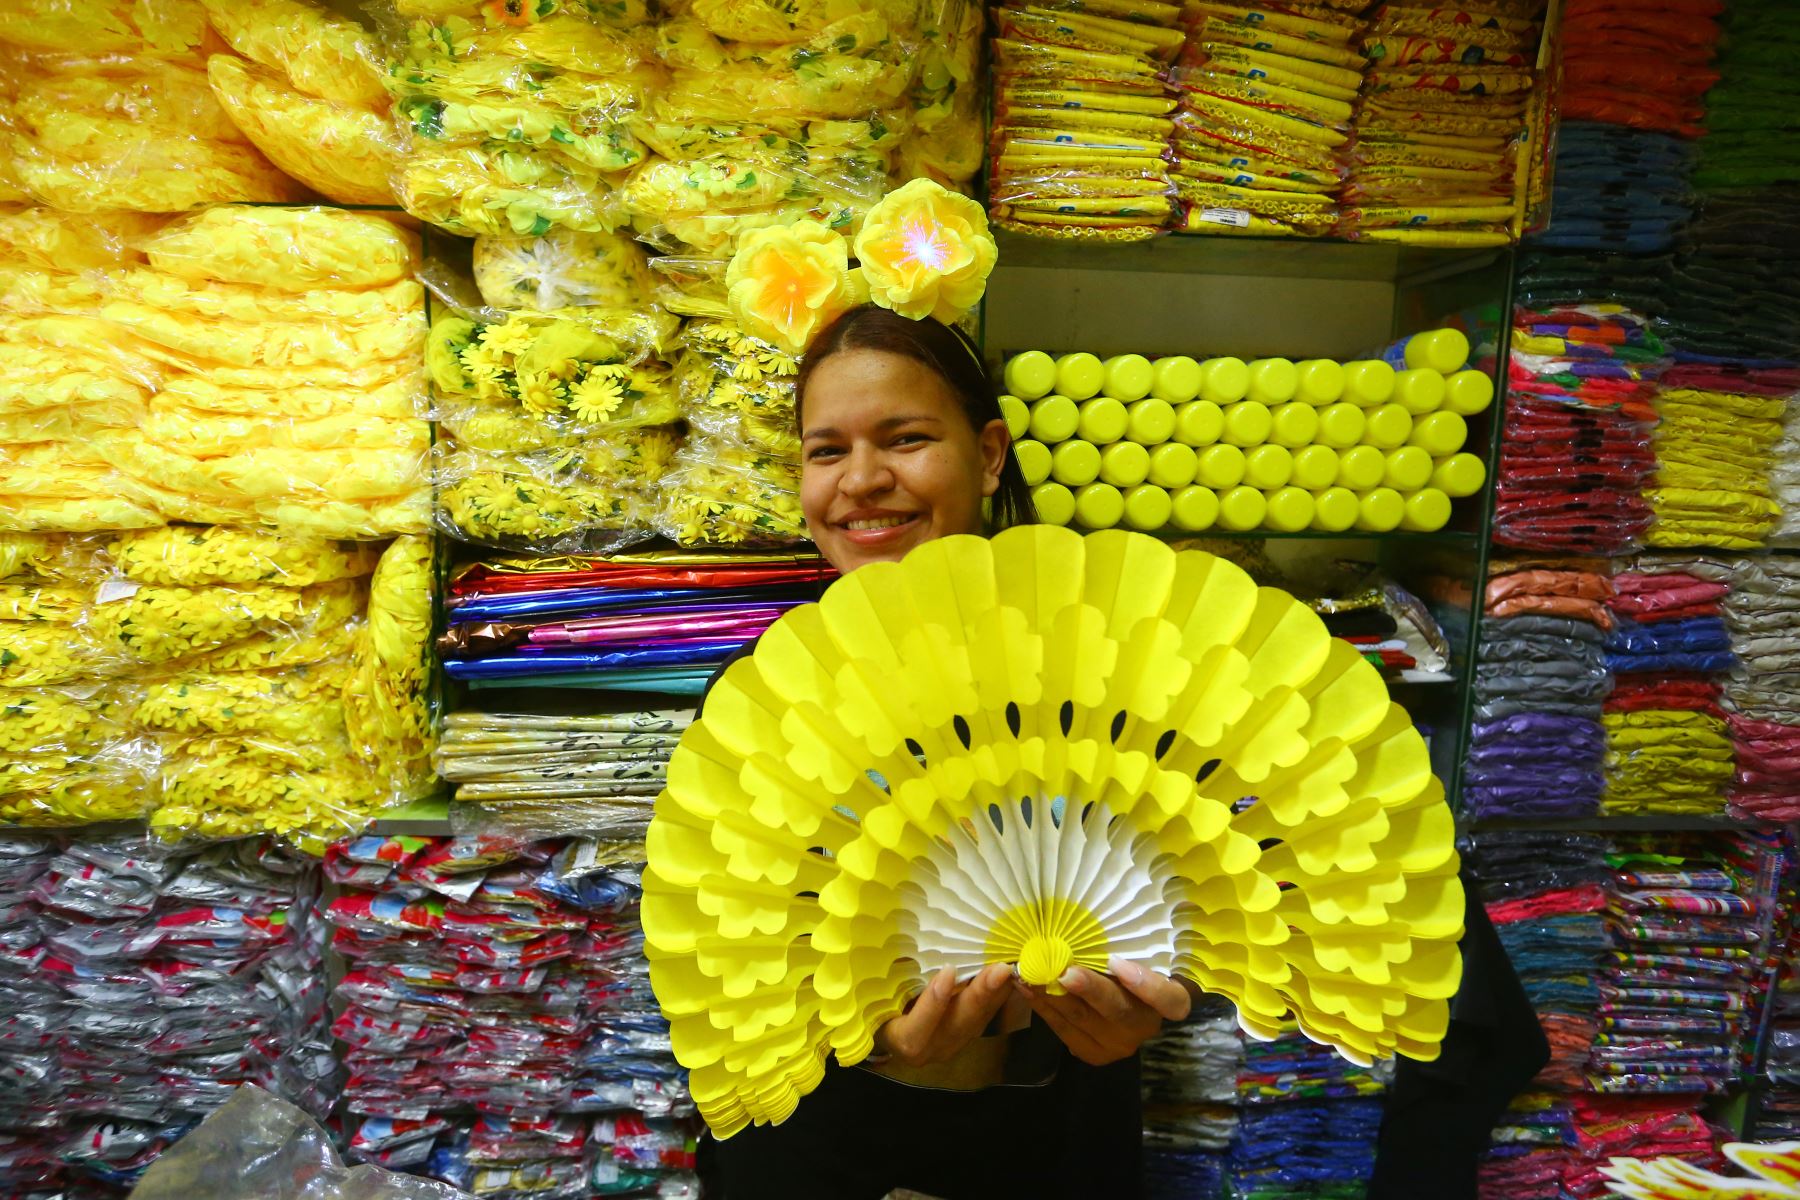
(994, 441)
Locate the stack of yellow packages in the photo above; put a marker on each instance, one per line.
(1451, 97)
(289, 344)
(517, 114)
(777, 111)
(308, 93)
(247, 654)
(67, 379)
(737, 482)
(67, 756)
(559, 414)
(107, 106)
(1267, 96)
(1082, 119)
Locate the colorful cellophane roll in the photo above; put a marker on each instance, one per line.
(308, 93)
(235, 650)
(67, 379)
(1082, 122)
(286, 344)
(67, 755)
(737, 481)
(517, 114)
(1267, 98)
(110, 109)
(1451, 107)
(559, 422)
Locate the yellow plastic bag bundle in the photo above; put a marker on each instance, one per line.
(190, 556)
(558, 368)
(286, 249)
(349, 154)
(562, 269)
(720, 494)
(225, 626)
(138, 129)
(389, 714)
(545, 503)
(708, 201)
(517, 122)
(235, 787)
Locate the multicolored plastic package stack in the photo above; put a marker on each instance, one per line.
(1541, 678)
(1761, 700)
(1267, 94)
(1692, 920)
(1452, 108)
(1576, 444)
(1545, 893)
(656, 621)
(498, 1026)
(1668, 747)
(1775, 1104)
(1643, 64)
(1082, 120)
(143, 985)
(1307, 1122)
(1714, 442)
(1190, 1082)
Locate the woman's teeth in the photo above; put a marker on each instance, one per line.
(876, 523)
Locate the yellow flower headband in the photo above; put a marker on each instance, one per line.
(924, 251)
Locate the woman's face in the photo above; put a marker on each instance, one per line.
(888, 460)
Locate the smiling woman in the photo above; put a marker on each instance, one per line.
(902, 439)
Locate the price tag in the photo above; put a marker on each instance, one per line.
(1225, 216)
(115, 589)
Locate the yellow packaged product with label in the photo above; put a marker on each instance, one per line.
(226, 627)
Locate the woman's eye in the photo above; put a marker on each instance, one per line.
(910, 439)
(821, 453)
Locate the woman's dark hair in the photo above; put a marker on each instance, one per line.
(953, 357)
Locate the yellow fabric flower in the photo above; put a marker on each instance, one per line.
(926, 251)
(788, 282)
(597, 397)
(540, 395)
(512, 337)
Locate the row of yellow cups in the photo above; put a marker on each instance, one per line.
(1104, 421)
(1318, 382)
(1195, 508)
(1173, 465)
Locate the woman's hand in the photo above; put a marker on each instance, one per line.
(1102, 1021)
(945, 1017)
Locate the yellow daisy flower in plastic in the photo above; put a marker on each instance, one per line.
(541, 395)
(513, 337)
(597, 397)
(926, 251)
(787, 282)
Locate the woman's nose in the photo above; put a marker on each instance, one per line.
(866, 474)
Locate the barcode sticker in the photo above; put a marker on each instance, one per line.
(1225, 216)
(115, 589)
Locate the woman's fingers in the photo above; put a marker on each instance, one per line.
(1169, 998)
(1059, 1015)
(945, 1017)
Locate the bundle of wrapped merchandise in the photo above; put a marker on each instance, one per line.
(67, 753)
(1083, 120)
(737, 481)
(561, 418)
(308, 93)
(108, 107)
(1450, 96)
(67, 380)
(518, 114)
(1267, 97)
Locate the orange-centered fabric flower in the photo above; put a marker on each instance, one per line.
(926, 251)
(787, 282)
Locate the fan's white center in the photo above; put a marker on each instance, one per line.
(1042, 883)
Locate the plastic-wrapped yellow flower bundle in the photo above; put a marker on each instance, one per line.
(388, 701)
(310, 97)
(558, 425)
(737, 482)
(517, 112)
(237, 649)
(776, 112)
(111, 110)
(66, 754)
(65, 381)
(289, 342)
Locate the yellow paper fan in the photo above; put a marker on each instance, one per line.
(1775, 1165)
(1042, 748)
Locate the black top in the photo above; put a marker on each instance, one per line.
(861, 1135)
